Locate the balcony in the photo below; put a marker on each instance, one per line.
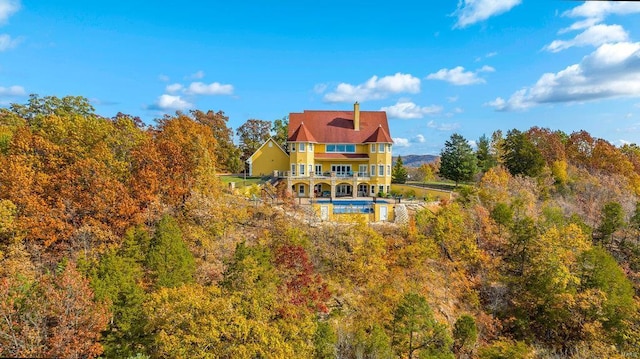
(323, 175)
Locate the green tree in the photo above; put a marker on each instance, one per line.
(169, 258)
(486, 159)
(280, 131)
(415, 330)
(521, 157)
(117, 278)
(612, 220)
(253, 134)
(457, 161)
(399, 173)
(465, 333)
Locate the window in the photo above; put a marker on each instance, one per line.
(373, 170)
(293, 169)
(362, 170)
(381, 170)
(318, 170)
(381, 189)
(310, 147)
(293, 147)
(388, 170)
(373, 148)
(301, 147)
(373, 190)
(388, 189)
(341, 148)
(310, 169)
(389, 147)
(301, 189)
(302, 166)
(381, 147)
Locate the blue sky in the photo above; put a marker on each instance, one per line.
(436, 67)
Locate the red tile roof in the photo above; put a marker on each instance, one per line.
(337, 126)
(301, 134)
(380, 135)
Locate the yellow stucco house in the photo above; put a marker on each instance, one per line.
(268, 158)
(331, 154)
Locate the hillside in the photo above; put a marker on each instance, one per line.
(119, 240)
(416, 160)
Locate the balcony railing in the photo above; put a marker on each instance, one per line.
(323, 175)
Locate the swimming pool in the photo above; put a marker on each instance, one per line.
(350, 206)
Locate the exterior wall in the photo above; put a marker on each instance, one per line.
(309, 177)
(267, 159)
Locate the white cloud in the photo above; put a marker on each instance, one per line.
(470, 12)
(374, 88)
(12, 91)
(597, 11)
(418, 139)
(214, 88)
(8, 8)
(400, 142)
(443, 126)
(173, 88)
(458, 110)
(612, 70)
(6, 42)
(452, 98)
(319, 88)
(163, 78)
(459, 77)
(196, 76)
(170, 102)
(594, 36)
(408, 110)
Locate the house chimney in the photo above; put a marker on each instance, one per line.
(356, 116)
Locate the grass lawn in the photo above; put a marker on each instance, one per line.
(240, 180)
(441, 190)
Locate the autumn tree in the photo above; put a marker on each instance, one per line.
(227, 154)
(457, 161)
(399, 173)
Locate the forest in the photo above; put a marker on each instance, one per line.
(118, 240)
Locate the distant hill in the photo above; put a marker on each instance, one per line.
(416, 160)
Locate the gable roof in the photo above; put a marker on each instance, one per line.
(301, 134)
(337, 126)
(379, 135)
(250, 159)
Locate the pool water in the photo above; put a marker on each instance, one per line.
(351, 206)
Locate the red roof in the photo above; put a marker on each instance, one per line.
(301, 134)
(337, 126)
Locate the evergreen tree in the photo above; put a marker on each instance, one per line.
(486, 159)
(399, 173)
(416, 331)
(169, 258)
(457, 160)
